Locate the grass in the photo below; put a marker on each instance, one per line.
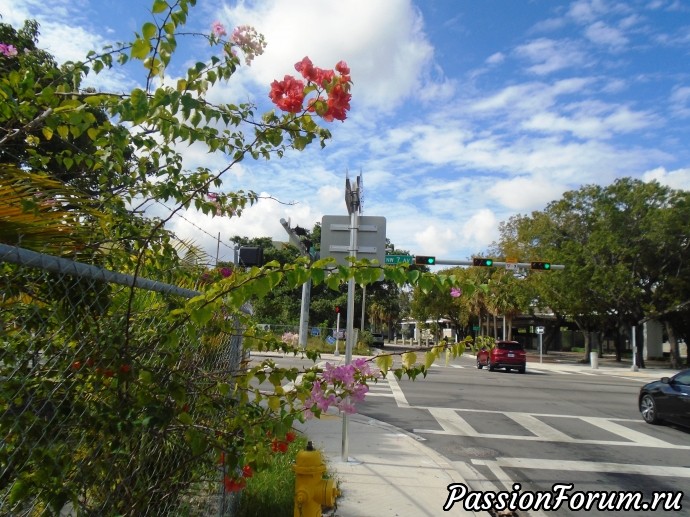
(318, 344)
(272, 491)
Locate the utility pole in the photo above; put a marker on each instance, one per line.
(306, 287)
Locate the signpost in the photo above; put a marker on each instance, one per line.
(540, 331)
(399, 259)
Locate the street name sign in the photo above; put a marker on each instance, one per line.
(399, 259)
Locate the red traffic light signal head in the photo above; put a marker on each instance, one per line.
(337, 309)
(544, 266)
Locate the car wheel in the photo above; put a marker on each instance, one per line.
(492, 368)
(522, 369)
(479, 365)
(648, 410)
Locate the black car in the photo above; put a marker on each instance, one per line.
(667, 399)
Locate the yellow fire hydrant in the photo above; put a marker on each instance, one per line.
(311, 490)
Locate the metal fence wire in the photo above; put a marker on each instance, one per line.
(98, 393)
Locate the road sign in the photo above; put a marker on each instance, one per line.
(540, 330)
(511, 263)
(399, 259)
(371, 238)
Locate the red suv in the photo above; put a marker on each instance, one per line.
(506, 354)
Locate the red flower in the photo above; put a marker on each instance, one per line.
(125, 368)
(342, 68)
(76, 365)
(288, 94)
(233, 485)
(247, 471)
(290, 437)
(283, 447)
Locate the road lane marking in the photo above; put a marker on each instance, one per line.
(625, 432)
(593, 466)
(452, 423)
(538, 428)
(398, 394)
(503, 478)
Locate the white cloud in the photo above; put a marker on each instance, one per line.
(677, 179)
(480, 230)
(496, 58)
(602, 34)
(526, 193)
(680, 101)
(550, 55)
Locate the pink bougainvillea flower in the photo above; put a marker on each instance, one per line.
(250, 41)
(8, 50)
(218, 29)
(455, 292)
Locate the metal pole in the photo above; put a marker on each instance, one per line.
(364, 298)
(540, 349)
(350, 334)
(304, 314)
(337, 334)
(634, 350)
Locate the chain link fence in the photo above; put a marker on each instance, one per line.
(107, 403)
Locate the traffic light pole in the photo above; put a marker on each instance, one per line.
(495, 263)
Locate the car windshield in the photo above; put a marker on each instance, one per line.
(510, 346)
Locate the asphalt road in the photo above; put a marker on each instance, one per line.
(539, 429)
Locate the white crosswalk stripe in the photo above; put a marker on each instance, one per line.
(452, 423)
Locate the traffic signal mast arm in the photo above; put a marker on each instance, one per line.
(495, 263)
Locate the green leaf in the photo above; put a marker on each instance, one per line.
(202, 315)
(384, 362)
(408, 359)
(141, 48)
(149, 30)
(159, 6)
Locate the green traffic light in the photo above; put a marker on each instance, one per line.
(479, 261)
(424, 260)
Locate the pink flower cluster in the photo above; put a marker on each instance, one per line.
(250, 41)
(289, 94)
(245, 37)
(455, 292)
(8, 50)
(290, 338)
(341, 386)
(218, 29)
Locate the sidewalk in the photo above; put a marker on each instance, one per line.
(568, 361)
(388, 472)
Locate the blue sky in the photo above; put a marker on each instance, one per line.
(463, 112)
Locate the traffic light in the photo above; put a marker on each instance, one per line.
(541, 265)
(337, 309)
(251, 256)
(423, 260)
(478, 261)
